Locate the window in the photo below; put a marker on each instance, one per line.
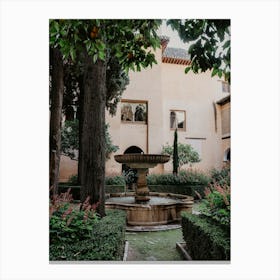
(178, 119)
(225, 87)
(134, 111)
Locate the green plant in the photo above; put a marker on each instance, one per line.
(73, 180)
(115, 180)
(70, 138)
(194, 177)
(185, 177)
(130, 176)
(186, 153)
(216, 204)
(205, 240)
(106, 241)
(221, 177)
(67, 224)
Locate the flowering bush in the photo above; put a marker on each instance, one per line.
(222, 177)
(216, 204)
(69, 224)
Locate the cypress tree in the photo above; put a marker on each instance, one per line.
(175, 153)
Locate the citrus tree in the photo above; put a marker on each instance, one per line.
(93, 43)
(186, 153)
(209, 41)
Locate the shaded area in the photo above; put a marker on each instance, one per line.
(154, 246)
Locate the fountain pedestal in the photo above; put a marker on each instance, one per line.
(142, 191)
(141, 163)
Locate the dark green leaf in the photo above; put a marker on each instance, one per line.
(187, 69)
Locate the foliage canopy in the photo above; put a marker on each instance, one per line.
(209, 44)
(186, 153)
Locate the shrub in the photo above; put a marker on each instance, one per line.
(222, 177)
(130, 176)
(178, 189)
(186, 153)
(70, 140)
(114, 188)
(73, 180)
(106, 242)
(216, 204)
(67, 224)
(185, 177)
(205, 240)
(115, 180)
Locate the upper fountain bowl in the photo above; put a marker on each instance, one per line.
(141, 160)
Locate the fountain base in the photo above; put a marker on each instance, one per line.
(161, 209)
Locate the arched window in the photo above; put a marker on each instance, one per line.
(131, 150)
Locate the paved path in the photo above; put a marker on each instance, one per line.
(154, 246)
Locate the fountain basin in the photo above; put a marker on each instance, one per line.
(142, 162)
(161, 209)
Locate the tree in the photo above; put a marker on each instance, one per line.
(186, 153)
(116, 82)
(93, 42)
(209, 44)
(175, 153)
(56, 69)
(70, 140)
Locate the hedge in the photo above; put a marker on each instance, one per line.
(75, 190)
(185, 177)
(205, 240)
(107, 242)
(179, 189)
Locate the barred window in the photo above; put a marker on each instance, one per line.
(134, 111)
(178, 119)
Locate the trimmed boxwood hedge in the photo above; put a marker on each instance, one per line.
(107, 242)
(179, 189)
(75, 190)
(205, 240)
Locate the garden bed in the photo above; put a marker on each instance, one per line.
(107, 242)
(75, 190)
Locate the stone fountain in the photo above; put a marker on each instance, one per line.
(142, 162)
(144, 207)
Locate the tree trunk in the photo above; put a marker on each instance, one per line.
(55, 117)
(93, 136)
(80, 117)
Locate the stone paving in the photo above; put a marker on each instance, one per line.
(154, 245)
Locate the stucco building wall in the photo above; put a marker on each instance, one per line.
(166, 87)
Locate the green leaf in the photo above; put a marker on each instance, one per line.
(95, 58)
(88, 45)
(226, 44)
(56, 26)
(72, 53)
(187, 70)
(101, 55)
(214, 72)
